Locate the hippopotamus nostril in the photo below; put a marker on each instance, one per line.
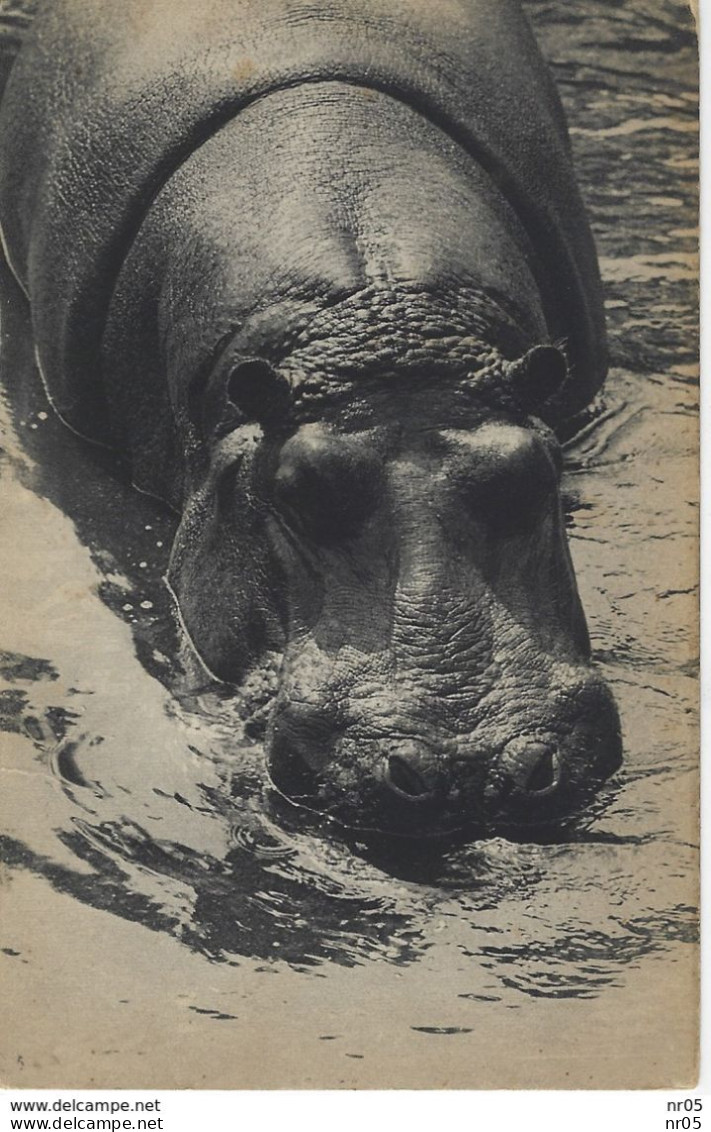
(544, 773)
(402, 777)
(531, 766)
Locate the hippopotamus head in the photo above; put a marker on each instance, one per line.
(403, 546)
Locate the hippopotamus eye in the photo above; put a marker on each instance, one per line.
(511, 479)
(324, 487)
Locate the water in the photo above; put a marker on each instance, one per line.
(169, 922)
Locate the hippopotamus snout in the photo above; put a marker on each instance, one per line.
(444, 784)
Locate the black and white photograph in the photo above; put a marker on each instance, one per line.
(349, 381)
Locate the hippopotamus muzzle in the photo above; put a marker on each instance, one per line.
(419, 787)
(536, 780)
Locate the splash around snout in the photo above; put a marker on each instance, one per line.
(481, 785)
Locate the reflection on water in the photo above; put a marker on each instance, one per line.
(140, 786)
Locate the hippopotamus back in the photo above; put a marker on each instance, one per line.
(106, 102)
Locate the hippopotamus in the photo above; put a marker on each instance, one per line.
(322, 271)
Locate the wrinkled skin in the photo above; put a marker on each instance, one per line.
(436, 659)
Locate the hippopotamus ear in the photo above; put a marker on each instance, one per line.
(538, 376)
(260, 393)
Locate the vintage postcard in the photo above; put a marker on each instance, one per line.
(349, 544)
